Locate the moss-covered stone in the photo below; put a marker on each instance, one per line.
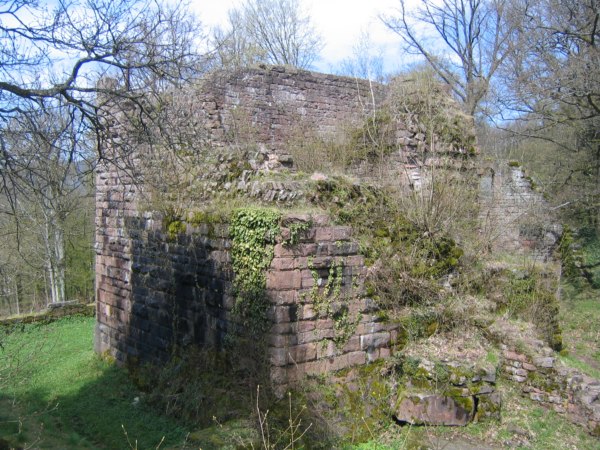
(489, 407)
(175, 228)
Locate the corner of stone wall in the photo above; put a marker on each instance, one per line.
(322, 320)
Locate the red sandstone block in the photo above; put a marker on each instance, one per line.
(291, 279)
(302, 353)
(315, 335)
(308, 336)
(354, 261)
(307, 312)
(300, 262)
(321, 262)
(385, 353)
(342, 248)
(324, 234)
(342, 233)
(296, 373)
(278, 356)
(308, 281)
(370, 327)
(369, 319)
(283, 328)
(515, 356)
(326, 349)
(323, 324)
(516, 371)
(305, 326)
(353, 345)
(529, 367)
(348, 360)
(287, 263)
(281, 251)
(283, 297)
(278, 340)
(375, 340)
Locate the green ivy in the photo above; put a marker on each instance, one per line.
(570, 259)
(296, 229)
(324, 297)
(253, 232)
(175, 228)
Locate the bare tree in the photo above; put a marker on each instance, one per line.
(366, 61)
(557, 61)
(234, 48)
(272, 31)
(464, 41)
(552, 87)
(62, 66)
(48, 186)
(60, 50)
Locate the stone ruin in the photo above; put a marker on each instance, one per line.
(158, 291)
(155, 292)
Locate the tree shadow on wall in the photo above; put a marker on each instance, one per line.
(183, 342)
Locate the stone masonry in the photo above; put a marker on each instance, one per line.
(158, 292)
(274, 100)
(513, 215)
(562, 389)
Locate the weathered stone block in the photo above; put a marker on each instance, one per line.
(489, 407)
(302, 353)
(291, 279)
(290, 297)
(546, 362)
(433, 409)
(510, 355)
(286, 263)
(375, 340)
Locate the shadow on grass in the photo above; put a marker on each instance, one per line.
(95, 416)
(56, 393)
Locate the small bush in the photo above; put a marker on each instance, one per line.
(531, 296)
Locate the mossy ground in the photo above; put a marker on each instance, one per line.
(524, 424)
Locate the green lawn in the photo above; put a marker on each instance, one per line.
(56, 393)
(580, 320)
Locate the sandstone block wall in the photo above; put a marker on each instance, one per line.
(513, 215)
(274, 101)
(157, 292)
(564, 390)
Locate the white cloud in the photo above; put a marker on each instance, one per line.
(340, 22)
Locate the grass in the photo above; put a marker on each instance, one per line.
(524, 424)
(580, 320)
(56, 393)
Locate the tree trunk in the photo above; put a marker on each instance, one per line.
(55, 260)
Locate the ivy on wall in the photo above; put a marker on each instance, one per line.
(253, 232)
